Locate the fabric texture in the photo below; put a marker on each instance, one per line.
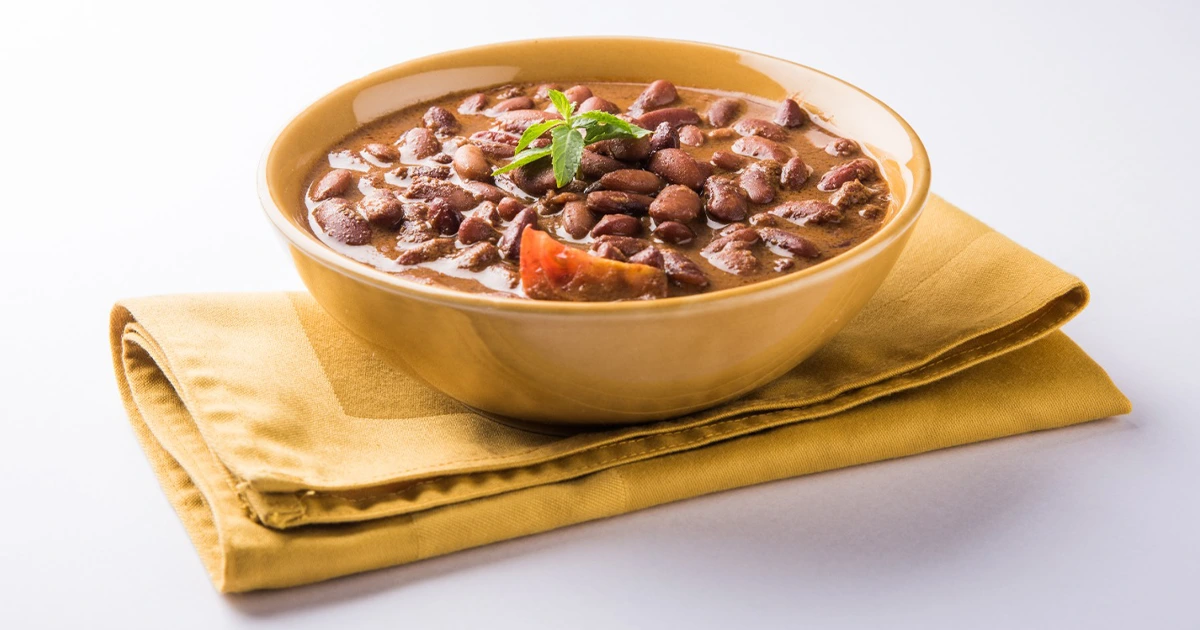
(293, 453)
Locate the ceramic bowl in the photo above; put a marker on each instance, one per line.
(594, 363)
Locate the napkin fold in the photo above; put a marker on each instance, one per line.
(293, 453)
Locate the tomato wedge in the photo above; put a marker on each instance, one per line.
(551, 270)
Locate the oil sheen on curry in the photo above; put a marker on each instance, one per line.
(722, 190)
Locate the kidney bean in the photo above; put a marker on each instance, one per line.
(757, 184)
(576, 219)
(487, 211)
(650, 256)
(682, 271)
(727, 161)
(518, 121)
(725, 201)
(339, 220)
(764, 219)
(423, 142)
(496, 136)
(632, 180)
(534, 178)
(617, 202)
(594, 165)
(664, 137)
(596, 103)
(513, 104)
(441, 121)
(862, 169)
(470, 163)
(510, 241)
(442, 158)
(426, 252)
(677, 116)
(674, 232)
(676, 203)
(677, 167)
(558, 199)
(543, 91)
(382, 152)
(790, 114)
(842, 147)
(808, 211)
(722, 133)
(795, 172)
(382, 209)
(794, 243)
(691, 136)
(473, 104)
(657, 94)
(761, 148)
(485, 191)
(577, 94)
(618, 225)
(476, 229)
(509, 208)
(723, 111)
(332, 184)
(739, 232)
(851, 193)
(444, 218)
(730, 255)
(623, 149)
(457, 198)
(414, 211)
(607, 250)
(478, 256)
(436, 172)
(761, 128)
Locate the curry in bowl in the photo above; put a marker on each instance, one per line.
(599, 192)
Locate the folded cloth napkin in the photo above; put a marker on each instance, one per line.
(293, 453)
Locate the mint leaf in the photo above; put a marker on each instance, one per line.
(564, 106)
(535, 131)
(605, 119)
(567, 149)
(523, 158)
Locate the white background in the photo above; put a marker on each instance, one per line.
(129, 140)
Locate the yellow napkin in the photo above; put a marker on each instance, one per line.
(294, 454)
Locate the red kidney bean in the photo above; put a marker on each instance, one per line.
(441, 121)
(727, 161)
(618, 225)
(414, 211)
(470, 163)
(794, 243)
(632, 180)
(725, 201)
(790, 114)
(534, 178)
(808, 211)
(510, 241)
(495, 149)
(607, 250)
(499, 137)
(509, 208)
(674, 232)
(508, 91)
(576, 219)
(478, 256)
(617, 202)
(513, 104)
(761, 128)
(650, 256)
(761, 148)
(332, 184)
(594, 165)
(442, 158)
(436, 172)
(475, 230)
(382, 209)
(426, 252)
(444, 218)
(457, 198)
(382, 152)
(678, 167)
(757, 184)
(596, 103)
(487, 211)
(578, 94)
(722, 133)
(862, 169)
(485, 191)
(852, 193)
(473, 104)
(543, 91)
(723, 111)
(682, 271)
(730, 255)
(795, 172)
(691, 136)
(657, 94)
(423, 142)
(677, 116)
(558, 199)
(518, 121)
(842, 147)
(739, 232)
(764, 219)
(623, 149)
(664, 137)
(627, 245)
(339, 220)
(676, 203)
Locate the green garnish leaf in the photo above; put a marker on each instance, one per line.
(523, 158)
(564, 106)
(567, 152)
(611, 125)
(536, 131)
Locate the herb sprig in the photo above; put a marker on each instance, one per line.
(568, 136)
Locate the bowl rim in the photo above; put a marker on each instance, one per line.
(318, 251)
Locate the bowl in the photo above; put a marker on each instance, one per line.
(606, 363)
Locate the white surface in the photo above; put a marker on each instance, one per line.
(1073, 130)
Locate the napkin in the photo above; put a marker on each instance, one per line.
(293, 453)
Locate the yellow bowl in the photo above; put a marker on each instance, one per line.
(595, 363)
